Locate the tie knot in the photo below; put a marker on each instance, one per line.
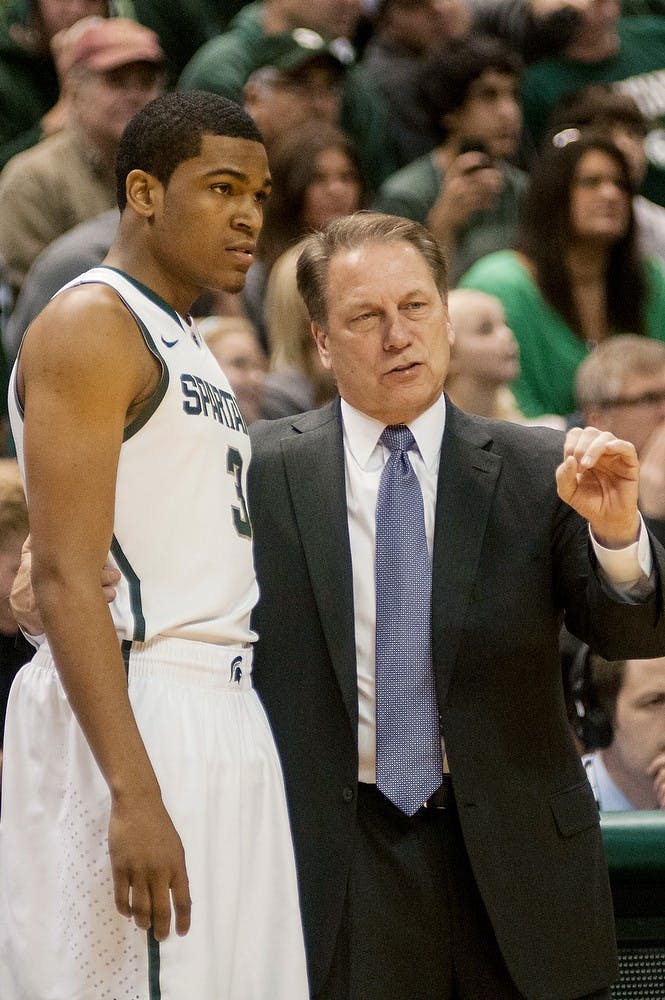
(397, 437)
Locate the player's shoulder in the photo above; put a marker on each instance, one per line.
(83, 332)
(87, 312)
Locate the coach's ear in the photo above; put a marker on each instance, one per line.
(144, 192)
(321, 339)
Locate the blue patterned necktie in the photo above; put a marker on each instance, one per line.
(408, 746)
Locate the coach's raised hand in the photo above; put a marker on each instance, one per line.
(599, 479)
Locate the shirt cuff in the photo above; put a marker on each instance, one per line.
(628, 566)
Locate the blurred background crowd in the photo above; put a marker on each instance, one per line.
(528, 135)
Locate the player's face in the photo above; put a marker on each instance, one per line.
(208, 217)
(386, 337)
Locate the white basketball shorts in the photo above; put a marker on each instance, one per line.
(61, 937)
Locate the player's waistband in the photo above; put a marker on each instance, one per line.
(204, 664)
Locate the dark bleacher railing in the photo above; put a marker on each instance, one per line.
(635, 850)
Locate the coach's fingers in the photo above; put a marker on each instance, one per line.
(589, 446)
(566, 478)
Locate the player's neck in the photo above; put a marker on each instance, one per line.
(135, 261)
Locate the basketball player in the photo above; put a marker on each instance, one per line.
(141, 779)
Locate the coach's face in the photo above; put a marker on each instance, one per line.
(387, 336)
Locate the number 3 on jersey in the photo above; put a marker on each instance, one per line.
(241, 519)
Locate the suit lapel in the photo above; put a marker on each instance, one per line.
(468, 474)
(314, 464)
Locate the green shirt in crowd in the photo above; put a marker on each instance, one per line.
(225, 63)
(638, 68)
(28, 84)
(413, 190)
(550, 351)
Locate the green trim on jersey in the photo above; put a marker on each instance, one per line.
(17, 398)
(148, 292)
(155, 990)
(158, 395)
(126, 649)
(135, 602)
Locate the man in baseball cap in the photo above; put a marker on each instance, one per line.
(102, 44)
(303, 80)
(274, 32)
(109, 68)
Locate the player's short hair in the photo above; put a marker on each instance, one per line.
(170, 130)
(350, 232)
(13, 508)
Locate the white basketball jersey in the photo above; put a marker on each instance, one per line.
(182, 537)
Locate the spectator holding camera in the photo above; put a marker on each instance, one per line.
(465, 191)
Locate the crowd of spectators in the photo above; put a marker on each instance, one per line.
(528, 135)
(468, 115)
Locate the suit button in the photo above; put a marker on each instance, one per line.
(347, 794)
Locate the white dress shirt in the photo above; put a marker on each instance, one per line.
(364, 458)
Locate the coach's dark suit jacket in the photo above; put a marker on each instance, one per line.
(509, 556)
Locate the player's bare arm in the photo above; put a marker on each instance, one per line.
(22, 596)
(84, 370)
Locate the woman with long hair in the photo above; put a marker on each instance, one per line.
(574, 276)
(297, 380)
(316, 177)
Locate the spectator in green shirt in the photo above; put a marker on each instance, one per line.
(465, 190)
(267, 33)
(627, 52)
(182, 26)
(575, 276)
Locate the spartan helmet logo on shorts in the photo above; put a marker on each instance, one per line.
(236, 669)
